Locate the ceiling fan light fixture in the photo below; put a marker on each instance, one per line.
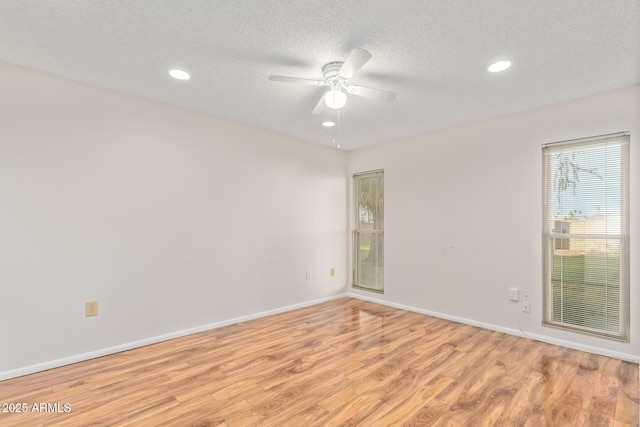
(335, 99)
(328, 124)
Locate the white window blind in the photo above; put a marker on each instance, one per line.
(368, 233)
(586, 235)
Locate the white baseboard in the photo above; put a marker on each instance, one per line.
(550, 340)
(141, 343)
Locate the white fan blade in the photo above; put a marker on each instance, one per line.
(357, 58)
(296, 80)
(367, 92)
(320, 106)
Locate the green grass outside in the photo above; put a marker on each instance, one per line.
(587, 269)
(370, 275)
(586, 290)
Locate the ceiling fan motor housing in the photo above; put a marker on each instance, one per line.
(330, 73)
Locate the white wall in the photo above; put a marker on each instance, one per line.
(463, 215)
(170, 219)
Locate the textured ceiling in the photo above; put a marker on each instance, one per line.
(433, 54)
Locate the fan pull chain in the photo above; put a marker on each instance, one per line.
(337, 126)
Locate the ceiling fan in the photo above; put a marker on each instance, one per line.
(336, 76)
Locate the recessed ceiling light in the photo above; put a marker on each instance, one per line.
(499, 66)
(179, 74)
(328, 124)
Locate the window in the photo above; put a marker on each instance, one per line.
(586, 235)
(368, 234)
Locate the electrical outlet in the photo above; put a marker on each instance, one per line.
(90, 308)
(526, 304)
(514, 294)
(308, 276)
(332, 272)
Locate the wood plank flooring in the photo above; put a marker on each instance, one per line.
(342, 363)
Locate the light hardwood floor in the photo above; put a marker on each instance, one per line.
(345, 362)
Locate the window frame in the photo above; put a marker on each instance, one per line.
(358, 232)
(551, 235)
